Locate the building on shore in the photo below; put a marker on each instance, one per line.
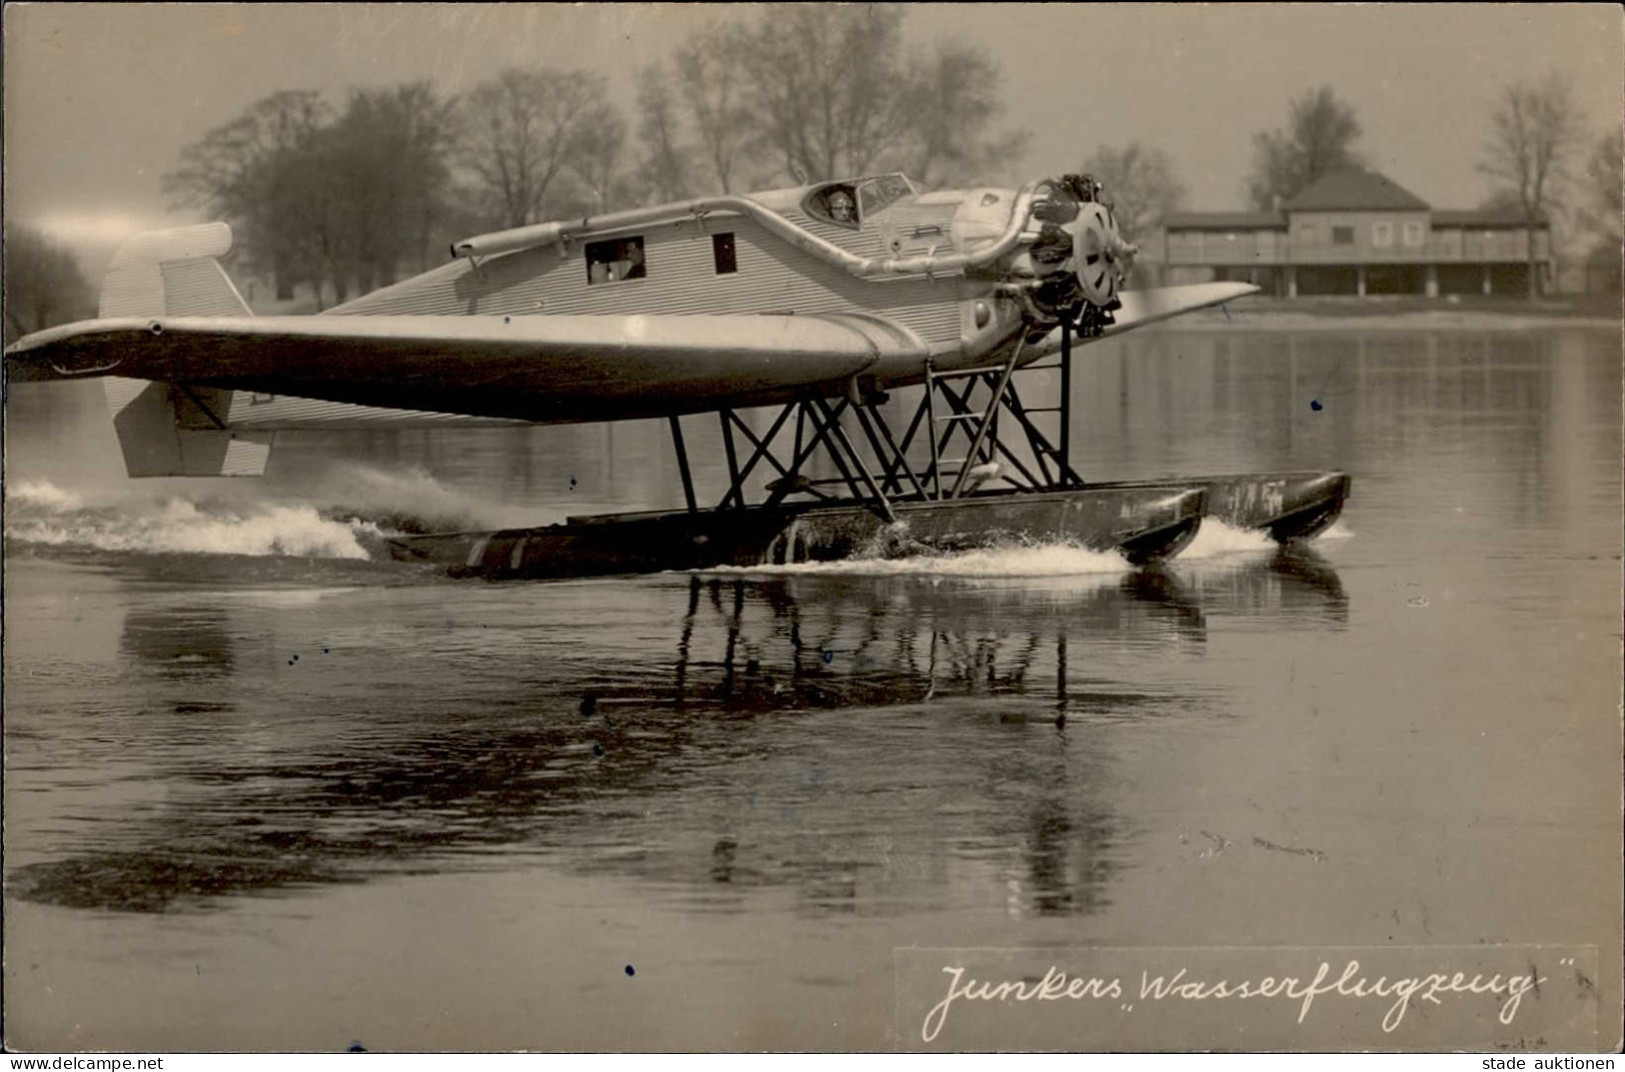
(1355, 233)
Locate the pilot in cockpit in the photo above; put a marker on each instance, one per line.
(841, 207)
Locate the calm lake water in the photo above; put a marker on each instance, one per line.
(265, 792)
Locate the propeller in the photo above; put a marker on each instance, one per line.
(1079, 256)
(1101, 257)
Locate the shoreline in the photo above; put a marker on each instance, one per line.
(1240, 317)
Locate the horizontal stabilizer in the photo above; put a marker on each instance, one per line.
(164, 429)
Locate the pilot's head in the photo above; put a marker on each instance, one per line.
(840, 206)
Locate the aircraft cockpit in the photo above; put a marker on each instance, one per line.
(875, 194)
(849, 203)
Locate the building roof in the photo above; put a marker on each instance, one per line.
(1225, 221)
(1354, 190)
(1488, 218)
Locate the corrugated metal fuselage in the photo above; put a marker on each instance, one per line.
(682, 277)
(954, 319)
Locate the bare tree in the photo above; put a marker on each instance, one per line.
(325, 201)
(712, 79)
(1317, 140)
(948, 101)
(519, 129)
(44, 286)
(824, 80)
(1604, 181)
(666, 173)
(1534, 130)
(1140, 185)
(595, 157)
(389, 157)
(257, 173)
(320, 231)
(825, 91)
(222, 171)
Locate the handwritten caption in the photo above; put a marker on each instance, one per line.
(1465, 994)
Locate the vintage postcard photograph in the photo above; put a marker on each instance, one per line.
(812, 527)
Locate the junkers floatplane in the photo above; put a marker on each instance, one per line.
(817, 300)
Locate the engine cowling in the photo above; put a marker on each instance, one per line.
(1101, 258)
(1079, 260)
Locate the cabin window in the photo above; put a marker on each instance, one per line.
(1413, 234)
(722, 251)
(1382, 234)
(615, 260)
(1342, 236)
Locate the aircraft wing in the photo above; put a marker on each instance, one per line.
(536, 368)
(1143, 307)
(554, 368)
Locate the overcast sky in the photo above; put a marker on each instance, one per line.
(99, 99)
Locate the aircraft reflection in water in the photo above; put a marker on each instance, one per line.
(660, 767)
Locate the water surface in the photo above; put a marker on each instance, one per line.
(265, 792)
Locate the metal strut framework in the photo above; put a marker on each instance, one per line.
(885, 475)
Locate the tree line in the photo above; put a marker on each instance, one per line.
(341, 200)
(44, 286)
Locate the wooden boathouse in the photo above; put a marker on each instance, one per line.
(1355, 233)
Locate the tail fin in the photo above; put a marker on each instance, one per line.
(172, 273)
(170, 429)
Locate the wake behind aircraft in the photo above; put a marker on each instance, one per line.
(818, 300)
